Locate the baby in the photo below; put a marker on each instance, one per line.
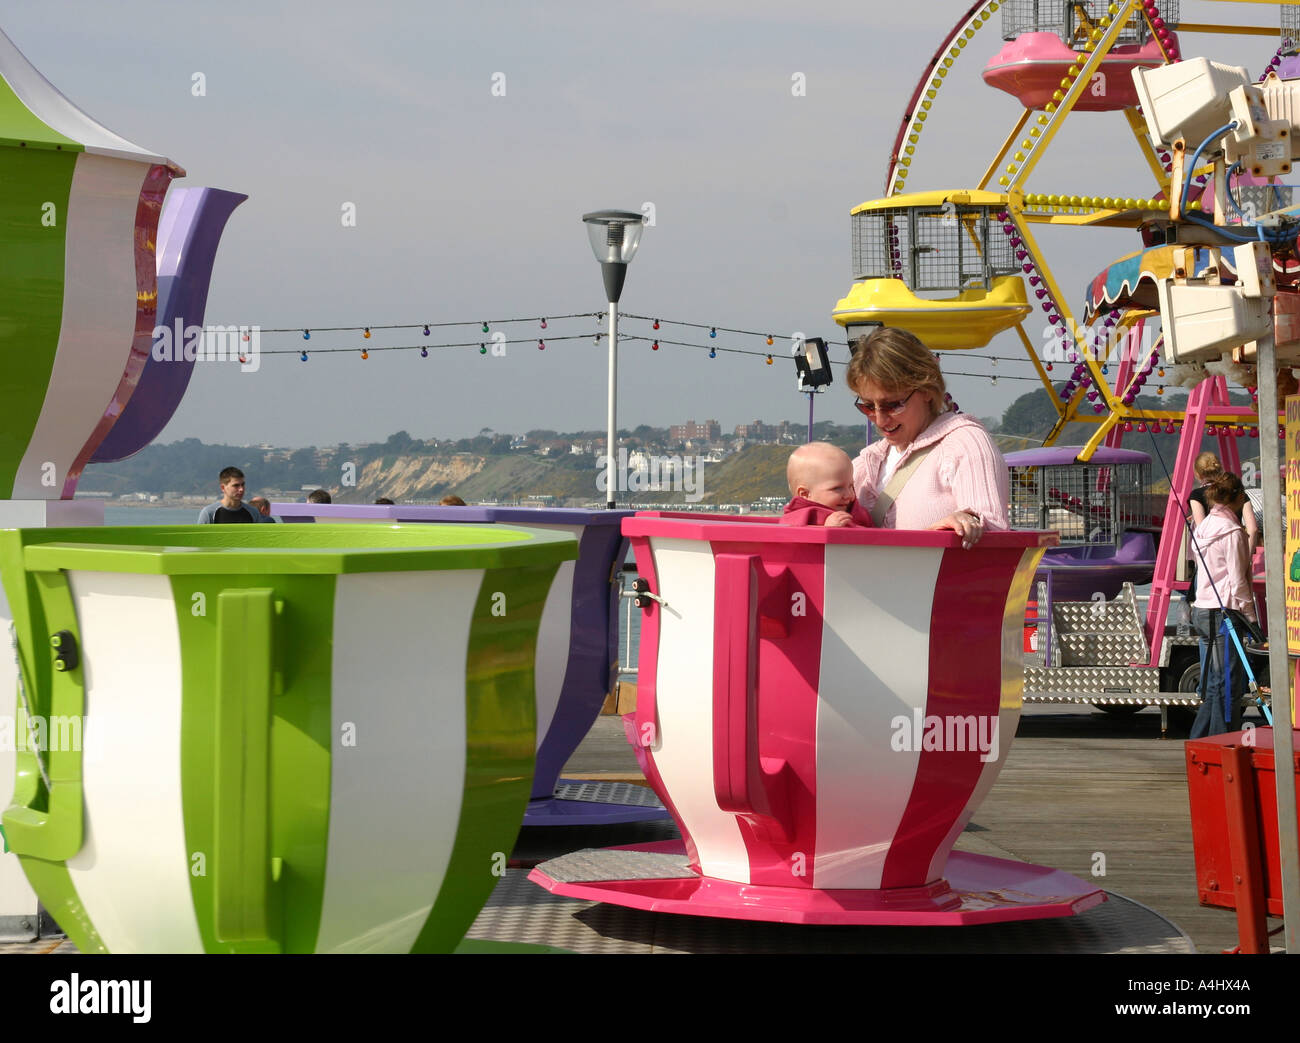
(821, 481)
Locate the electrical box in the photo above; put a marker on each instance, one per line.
(1254, 265)
(1260, 144)
(1282, 102)
(1187, 100)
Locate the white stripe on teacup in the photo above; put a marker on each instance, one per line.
(398, 666)
(683, 748)
(554, 636)
(132, 872)
(99, 308)
(874, 667)
(553, 639)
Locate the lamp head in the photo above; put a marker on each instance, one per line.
(614, 234)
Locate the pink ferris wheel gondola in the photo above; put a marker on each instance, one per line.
(1031, 68)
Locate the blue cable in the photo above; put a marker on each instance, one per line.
(1187, 181)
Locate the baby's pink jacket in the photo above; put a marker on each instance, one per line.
(801, 511)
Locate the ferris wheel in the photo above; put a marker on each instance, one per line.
(960, 266)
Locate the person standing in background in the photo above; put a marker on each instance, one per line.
(231, 508)
(1222, 583)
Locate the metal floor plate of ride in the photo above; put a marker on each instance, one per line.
(580, 802)
(520, 911)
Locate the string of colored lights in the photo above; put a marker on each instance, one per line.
(306, 331)
(655, 342)
(423, 349)
(485, 327)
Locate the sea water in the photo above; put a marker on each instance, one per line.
(150, 515)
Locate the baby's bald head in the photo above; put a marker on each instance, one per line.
(822, 473)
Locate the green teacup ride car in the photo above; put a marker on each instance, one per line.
(272, 738)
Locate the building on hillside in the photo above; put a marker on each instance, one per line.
(709, 431)
(755, 432)
(761, 432)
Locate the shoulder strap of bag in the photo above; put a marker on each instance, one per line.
(886, 499)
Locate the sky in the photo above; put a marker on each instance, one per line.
(470, 138)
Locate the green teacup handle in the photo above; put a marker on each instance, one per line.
(245, 668)
(56, 831)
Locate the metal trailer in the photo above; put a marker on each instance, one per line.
(1096, 652)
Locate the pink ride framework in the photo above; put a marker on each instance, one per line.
(791, 681)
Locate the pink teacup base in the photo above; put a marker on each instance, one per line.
(977, 889)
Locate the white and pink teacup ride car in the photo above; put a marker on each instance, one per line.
(822, 711)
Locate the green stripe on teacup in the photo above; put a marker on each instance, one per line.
(293, 729)
(501, 722)
(33, 216)
(21, 127)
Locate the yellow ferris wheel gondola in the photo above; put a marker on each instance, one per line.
(938, 264)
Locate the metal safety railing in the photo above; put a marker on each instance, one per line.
(629, 620)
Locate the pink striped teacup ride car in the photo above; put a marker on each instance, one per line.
(822, 711)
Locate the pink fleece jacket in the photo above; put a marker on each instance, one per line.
(1222, 542)
(802, 511)
(964, 472)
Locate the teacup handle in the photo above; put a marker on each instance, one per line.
(737, 775)
(52, 828)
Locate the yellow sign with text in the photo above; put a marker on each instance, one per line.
(1292, 559)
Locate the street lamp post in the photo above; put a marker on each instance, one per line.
(614, 236)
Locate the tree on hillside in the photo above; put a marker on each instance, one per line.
(398, 443)
(1031, 414)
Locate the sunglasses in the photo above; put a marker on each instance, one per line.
(888, 408)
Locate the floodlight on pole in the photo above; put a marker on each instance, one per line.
(615, 236)
(812, 370)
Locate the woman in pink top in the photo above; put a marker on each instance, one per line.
(1222, 582)
(960, 482)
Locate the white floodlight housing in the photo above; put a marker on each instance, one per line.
(1187, 100)
(1203, 321)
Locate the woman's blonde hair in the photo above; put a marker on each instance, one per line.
(1207, 466)
(898, 362)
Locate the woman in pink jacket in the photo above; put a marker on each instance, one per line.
(1222, 582)
(932, 469)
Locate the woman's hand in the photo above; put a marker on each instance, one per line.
(966, 523)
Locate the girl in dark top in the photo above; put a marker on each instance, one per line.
(1208, 469)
